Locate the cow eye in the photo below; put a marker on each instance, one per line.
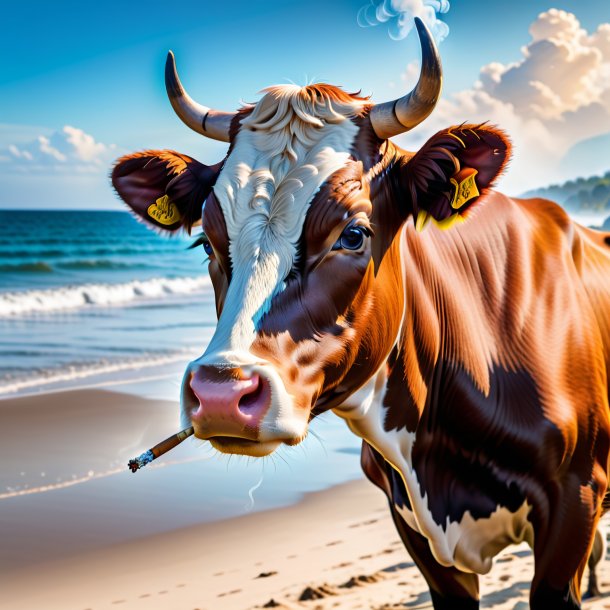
(352, 238)
(203, 240)
(207, 248)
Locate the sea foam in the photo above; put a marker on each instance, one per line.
(97, 295)
(69, 374)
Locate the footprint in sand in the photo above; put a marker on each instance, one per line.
(369, 522)
(360, 581)
(229, 593)
(403, 565)
(320, 592)
(266, 574)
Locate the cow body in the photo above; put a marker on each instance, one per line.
(471, 357)
(491, 409)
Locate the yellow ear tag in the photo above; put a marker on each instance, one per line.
(448, 222)
(465, 187)
(164, 211)
(423, 218)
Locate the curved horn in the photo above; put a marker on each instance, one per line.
(206, 121)
(395, 117)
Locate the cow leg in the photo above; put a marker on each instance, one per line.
(561, 550)
(450, 588)
(597, 553)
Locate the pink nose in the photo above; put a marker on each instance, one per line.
(231, 403)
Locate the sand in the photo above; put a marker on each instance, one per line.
(65, 548)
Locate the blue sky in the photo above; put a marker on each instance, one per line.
(98, 69)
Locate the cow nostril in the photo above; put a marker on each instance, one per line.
(189, 397)
(249, 400)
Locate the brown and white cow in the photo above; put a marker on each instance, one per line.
(473, 362)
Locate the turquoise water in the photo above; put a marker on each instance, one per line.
(84, 293)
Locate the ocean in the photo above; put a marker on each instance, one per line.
(84, 294)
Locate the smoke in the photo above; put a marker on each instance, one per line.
(250, 505)
(399, 15)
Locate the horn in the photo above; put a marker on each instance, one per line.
(208, 122)
(392, 118)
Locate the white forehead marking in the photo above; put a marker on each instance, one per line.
(286, 149)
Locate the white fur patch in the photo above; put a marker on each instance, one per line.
(469, 544)
(278, 163)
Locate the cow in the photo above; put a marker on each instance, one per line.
(462, 334)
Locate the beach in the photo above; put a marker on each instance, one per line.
(101, 537)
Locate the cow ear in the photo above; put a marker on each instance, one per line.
(163, 187)
(453, 171)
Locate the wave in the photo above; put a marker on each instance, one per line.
(99, 264)
(97, 295)
(71, 373)
(78, 265)
(118, 250)
(28, 253)
(38, 267)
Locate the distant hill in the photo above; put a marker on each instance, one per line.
(580, 196)
(587, 158)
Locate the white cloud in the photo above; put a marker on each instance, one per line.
(399, 15)
(555, 96)
(67, 150)
(85, 147)
(48, 151)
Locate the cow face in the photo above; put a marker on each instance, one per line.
(300, 223)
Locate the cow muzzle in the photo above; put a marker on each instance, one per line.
(242, 410)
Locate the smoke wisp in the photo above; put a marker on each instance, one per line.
(250, 505)
(399, 15)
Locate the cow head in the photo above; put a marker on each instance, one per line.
(301, 222)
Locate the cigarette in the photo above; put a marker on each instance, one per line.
(163, 447)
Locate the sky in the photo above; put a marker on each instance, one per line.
(82, 83)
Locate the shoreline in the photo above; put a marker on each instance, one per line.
(65, 487)
(108, 376)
